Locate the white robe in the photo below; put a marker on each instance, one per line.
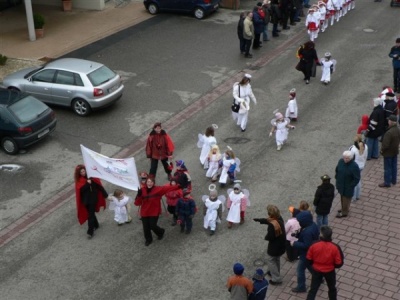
(226, 163)
(120, 209)
(242, 95)
(291, 110)
(211, 217)
(213, 165)
(206, 147)
(326, 70)
(282, 132)
(234, 210)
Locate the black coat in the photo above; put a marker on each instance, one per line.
(390, 109)
(89, 193)
(240, 28)
(277, 244)
(376, 126)
(323, 198)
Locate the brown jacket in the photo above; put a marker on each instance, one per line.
(390, 142)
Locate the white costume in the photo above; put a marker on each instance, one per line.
(291, 110)
(226, 164)
(323, 22)
(312, 26)
(328, 66)
(211, 217)
(237, 203)
(331, 10)
(205, 143)
(242, 95)
(281, 126)
(213, 164)
(120, 209)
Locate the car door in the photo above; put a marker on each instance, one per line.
(184, 5)
(40, 85)
(64, 86)
(7, 126)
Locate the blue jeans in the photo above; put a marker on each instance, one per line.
(357, 189)
(373, 148)
(390, 170)
(265, 32)
(322, 220)
(301, 273)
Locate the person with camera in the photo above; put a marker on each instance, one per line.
(395, 55)
(308, 235)
(324, 256)
(292, 228)
(276, 238)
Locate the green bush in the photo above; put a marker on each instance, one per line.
(38, 21)
(3, 60)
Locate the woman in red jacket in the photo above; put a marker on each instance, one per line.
(149, 198)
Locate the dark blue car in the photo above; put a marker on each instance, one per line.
(199, 8)
(24, 120)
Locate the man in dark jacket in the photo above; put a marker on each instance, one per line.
(276, 238)
(275, 17)
(324, 256)
(240, 28)
(308, 235)
(376, 128)
(390, 108)
(347, 175)
(390, 150)
(395, 55)
(323, 200)
(258, 23)
(285, 7)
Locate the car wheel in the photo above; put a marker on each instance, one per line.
(9, 145)
(153, 8)
(13, 88)
(81, 107)
(199, 13)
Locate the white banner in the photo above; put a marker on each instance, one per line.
(121, 172)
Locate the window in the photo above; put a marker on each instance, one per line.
(64, 77)
(101, 75)
(28, 109)
(44, 76)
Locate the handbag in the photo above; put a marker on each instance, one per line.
(235, 107)
(299, 66)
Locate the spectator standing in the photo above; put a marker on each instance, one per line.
(376, 128)
(260, 286)
(347, 175)
(276, 238)
(360, 151)
(258, 23)
(240, 29)
(285, 7)
(275, 17)
(267, 17)
(390, 150)
(159, 147)
(238, 285)
(248, 33)
(308, 235)
(390, 107)
(292, 229)
(323, 200)
(324, 256)
(363, 128)
(395, 55)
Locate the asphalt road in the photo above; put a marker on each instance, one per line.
(168, 63)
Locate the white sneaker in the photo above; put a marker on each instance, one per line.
(279, 147)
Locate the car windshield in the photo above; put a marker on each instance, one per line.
(101, 75)
(27, 109)
(32, 72)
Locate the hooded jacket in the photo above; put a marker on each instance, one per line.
(308, 235)
(376, 126)
(347, 176)
(323, 198)
(364, 124)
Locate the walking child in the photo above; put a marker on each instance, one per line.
(328, 67)
(212, 209)
(229, 167)
(185, 210)
(214, 157)
(292, 110)
(237, 202)
(280, 126)
(312, 25)
(119, 204)
(172, 200)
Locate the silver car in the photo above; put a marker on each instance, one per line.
(80, 84)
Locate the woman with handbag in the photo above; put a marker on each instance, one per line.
(242, 93)
(308, 60)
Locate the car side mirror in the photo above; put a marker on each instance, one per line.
(29, 79)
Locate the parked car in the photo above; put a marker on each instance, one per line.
(24, 120)
(80, 84)
(199, 8)
(394, 3)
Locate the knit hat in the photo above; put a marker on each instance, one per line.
(238, 269)
(237, 186)
(390, 95)
(259, 274)
(259, 4)
(180, 164)
(392, 118)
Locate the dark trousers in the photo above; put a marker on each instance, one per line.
(291, 252)
(316, 281)
(292, 15)
(247, 46)
(92, 220)
(390, 170)
(396, 79)
(154, 165)
(186, 222)
(172, 211)
(275, 29)
(307, 70)
(256, 41)
(150, 224)
(285, 17)
(242, 43)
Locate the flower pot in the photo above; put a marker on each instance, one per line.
(39, 33)
(67, 5)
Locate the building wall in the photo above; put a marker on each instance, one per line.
(84, 4)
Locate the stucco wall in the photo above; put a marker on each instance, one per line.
(85, 4)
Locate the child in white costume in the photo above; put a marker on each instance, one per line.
(242, 93)
(292, 110)
(229, 168)
(312, 25)
(237, 202)
(280, 126)
(119, 204)
(323, 22)
(330, 9)
(205, 142)
(212, 209)
(214, 156)
(328, 67)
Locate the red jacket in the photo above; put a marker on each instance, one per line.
(173, 196)
(325, 256)
(150, 201)
(364, 124)
(159, 146)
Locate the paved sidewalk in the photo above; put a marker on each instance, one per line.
(64, 31)
(370, 240)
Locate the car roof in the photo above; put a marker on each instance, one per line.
(74, 64)
(8, 97)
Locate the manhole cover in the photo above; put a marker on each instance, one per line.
(259, 262)
(368, 30)
(10, 167)
(236, 140)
